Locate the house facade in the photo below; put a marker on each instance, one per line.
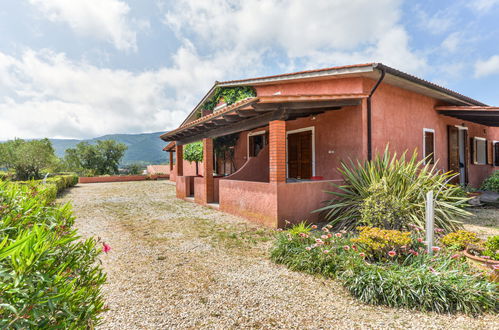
(290, 137)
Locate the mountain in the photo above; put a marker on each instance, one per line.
(143, 148)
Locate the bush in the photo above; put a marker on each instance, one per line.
(459, 240)
(439, 283)
(492, 247)
(378, 243)
(492, 182)
(390, 192)
(52, 186)
(49, 278)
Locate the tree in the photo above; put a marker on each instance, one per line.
(27, 158)
(95, 159)
(193, 152)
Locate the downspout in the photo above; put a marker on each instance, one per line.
(369, 116)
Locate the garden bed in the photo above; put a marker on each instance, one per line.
(122, 178)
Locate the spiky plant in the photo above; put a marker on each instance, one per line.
(390, 192)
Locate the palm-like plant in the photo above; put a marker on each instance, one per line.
(390, 192)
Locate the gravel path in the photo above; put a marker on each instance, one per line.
(175, 264)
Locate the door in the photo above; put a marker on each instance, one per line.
(300, 155)
(458, 154)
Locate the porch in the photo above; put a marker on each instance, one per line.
(284, 176)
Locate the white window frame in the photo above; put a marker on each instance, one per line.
(311, 128)
(430, 130)
(475, 162)
(247, 141)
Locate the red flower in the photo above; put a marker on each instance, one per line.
(314, 227)
(337, 234)
(392, 253)
(354, 247)
(362, 254)
(329, 235)
(420, 240)
(106, 247)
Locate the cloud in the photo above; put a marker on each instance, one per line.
(102, 19)
(483, 5)
(487, 67)
(344, 30)
(452, 42)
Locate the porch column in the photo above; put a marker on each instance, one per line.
(277, 151)
(208, 187)
(179, 151)
(171, 161)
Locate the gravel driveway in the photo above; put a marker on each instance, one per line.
(175, 264)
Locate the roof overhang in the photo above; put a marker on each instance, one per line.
(488, 116)
(170, 146)
(256, 112)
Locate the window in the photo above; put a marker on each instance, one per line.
(479, 151)
(495, 152)
(256, 142)
(429, 145)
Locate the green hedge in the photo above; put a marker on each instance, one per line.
(491, 183)
(52, 186)
(49, 278)
(430, 283)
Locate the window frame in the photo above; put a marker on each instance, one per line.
(250, 134)
(475, 150)
(310, 128)
(494, 142)
(429, 130)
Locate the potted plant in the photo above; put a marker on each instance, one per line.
(485, 256)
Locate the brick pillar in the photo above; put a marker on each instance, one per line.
(171, 161)
(208, 171)
(179, 151)
(277, 150)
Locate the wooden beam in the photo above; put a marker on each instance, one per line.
(247, 113)
(231, 118)
(230, 128)
(306, 105)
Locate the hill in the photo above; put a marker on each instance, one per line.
(143, 148)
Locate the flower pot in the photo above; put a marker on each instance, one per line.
(488, 265)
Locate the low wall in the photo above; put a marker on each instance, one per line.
(118, 178)
(297, 200)
(255, 168)
(256, 201)
(184, 186)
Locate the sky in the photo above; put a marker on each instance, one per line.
(85, 68)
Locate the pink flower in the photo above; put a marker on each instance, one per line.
(106, 247)
(279, 229)
(308, 248)
(495, 267)
(326, 251)
(432, 269)
(420, 240)
(439, 230)
(314, 227)
(337, 234)
(329, 235)
(455, 256)
(325, 229)
(362, 254)
(414, 253)
(485, 257)
(346, 248)
(435, 248)
(329, 226)
(319, 241)
(324, 237)
(403, 247)
(343, 231)
(392, 253)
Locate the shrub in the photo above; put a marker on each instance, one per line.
(390, 192)
(492, 182)
(48, 277)
(52, 186)
(377, 243)
(437, 283)
(459, 240)
(492, 247)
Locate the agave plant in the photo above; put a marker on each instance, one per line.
(390, 191)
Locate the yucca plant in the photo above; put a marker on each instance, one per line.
(389, 192)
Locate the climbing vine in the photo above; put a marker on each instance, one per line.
(230, 96)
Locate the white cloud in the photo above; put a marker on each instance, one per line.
(43, 93)
(487, 67)
(345, 30)
(101, 19)
(452, 42)
(483, 5)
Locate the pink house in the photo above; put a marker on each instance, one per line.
(290, 137)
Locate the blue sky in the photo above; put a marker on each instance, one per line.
(84, 68)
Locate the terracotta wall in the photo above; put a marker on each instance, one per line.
(321, 87)
(255, 169)
(399, 117)
(117, 178)
(256, 201)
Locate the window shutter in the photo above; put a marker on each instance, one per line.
(490, 152)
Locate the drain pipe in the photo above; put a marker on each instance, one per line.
(369, 116)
